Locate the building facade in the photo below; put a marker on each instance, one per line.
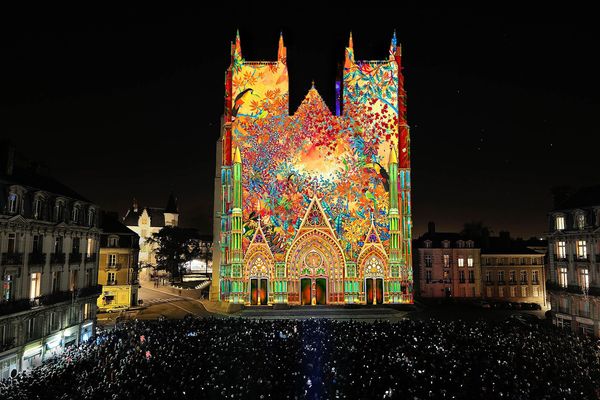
(574, 261)
(145, 221)
(449, 266)
(118, 267)
(315, 205)
(514, 275)
(49, 240)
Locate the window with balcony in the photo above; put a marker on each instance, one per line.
(56, 281)
(34, 285)
(469, 261)
(581, 249)
(446, 260)
(461, 261)
(428, 276)
(12, 243)
(38, 244)
(112, 260)
(13, 202)
(584, 278)
(523, 277)
(561, 249)
(562, 277)
(58, 244)
(90, 247)
(559, 222)
(535, 277)
(501, 277)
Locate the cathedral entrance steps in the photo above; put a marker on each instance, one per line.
(335, 312)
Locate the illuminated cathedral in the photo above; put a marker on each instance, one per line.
(313, 207)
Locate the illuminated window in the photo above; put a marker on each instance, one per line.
(13, 199)
(74, 278)
(7, 286)
(112, 260)
(581, 249)
(561, 249)
(580, 220)
(523, 291)
(536, 291)
(34, 287)
(90, 246)
(513, 291)
(562, 277)
(461, 261)
(87, 308)
(559, 222)
(470, 261)
(446, 260)
(584, 278)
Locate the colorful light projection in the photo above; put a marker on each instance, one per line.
(341, 158)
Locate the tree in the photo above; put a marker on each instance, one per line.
(175, 246)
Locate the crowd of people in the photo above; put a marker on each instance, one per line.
(318, 359)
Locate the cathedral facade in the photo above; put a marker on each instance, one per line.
(313, 207)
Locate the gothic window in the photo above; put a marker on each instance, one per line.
(373, 266)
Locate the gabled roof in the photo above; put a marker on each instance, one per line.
(157, 216)
(313, 103)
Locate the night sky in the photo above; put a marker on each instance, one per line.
(122, 102)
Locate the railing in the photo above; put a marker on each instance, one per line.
(12, 258)
(37, 258)
(74, 258)
(501, 282)
(90, 291)
(512, 282)
(582, 259)
(57, 258)
(535, 282)
(90, 258)
(489, 283)
(111, 283)
(584, 314)
(114, 266)
(564, 310)
(14, 306)
(523, 282)
(9, 343)
(56, 297)
(576, 289)
(557, 258)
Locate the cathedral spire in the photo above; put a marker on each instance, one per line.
(393, 45)
(281, 51)
(349, 56)
(238, 46)
(350, 42)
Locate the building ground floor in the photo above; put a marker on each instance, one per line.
(117, 297)
(28, 338)
(576, 312)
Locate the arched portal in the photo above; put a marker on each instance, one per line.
(372, 270)
(315, 269)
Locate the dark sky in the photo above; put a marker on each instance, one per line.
(123, 102)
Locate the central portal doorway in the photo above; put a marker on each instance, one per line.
(374, 290)
(259, 294)
(305, 291)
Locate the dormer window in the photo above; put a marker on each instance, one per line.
(580, 220)
(38, 205)
(59, 210)
(470, 244)
(559, 222)
(91, 217)
(113, 241)
(428, 244)
(75, 213)
(13, 201)
(460, 244)
(445, 244)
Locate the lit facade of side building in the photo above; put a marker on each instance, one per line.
(145, 221)
(574, 261)
(118, 267)
(313, 207)
(49, 240)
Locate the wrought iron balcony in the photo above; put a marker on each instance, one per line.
(116, 266)
(12, 258)
(511, 282)
(57, 258)
(489, 283)
(74, 258)
(90, 258)
(14, 306)
(37, 258)
(89, 291)
(501, 282)
(560, 259)
(575, 289)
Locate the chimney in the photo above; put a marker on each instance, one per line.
(431, 227)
